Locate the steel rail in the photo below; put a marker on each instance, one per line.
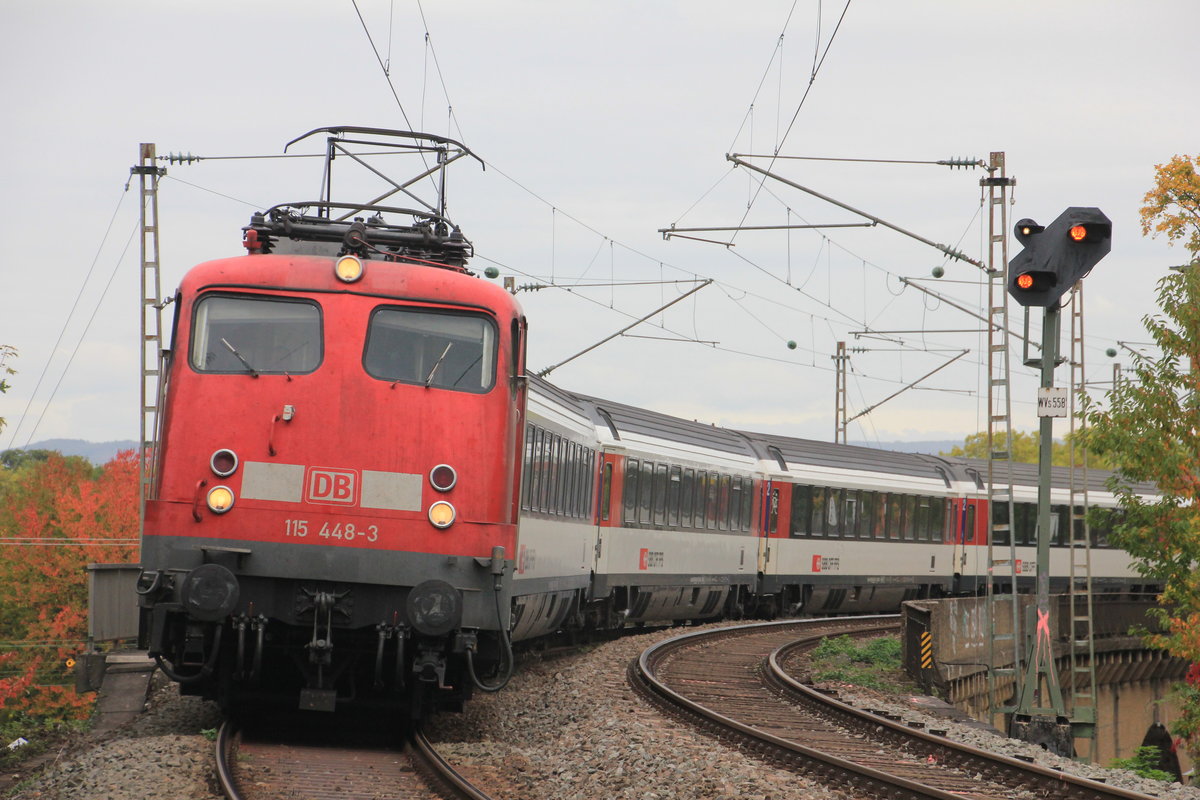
(443, 770)
(1043, 780)
(224, 744)
(826, 766)
(868, 726)
(438, 775)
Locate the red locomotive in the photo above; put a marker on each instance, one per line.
(336, 489)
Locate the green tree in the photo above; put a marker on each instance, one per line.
(6, 352)
(1149, 429)
(1025, 450)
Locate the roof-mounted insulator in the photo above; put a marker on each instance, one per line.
(250, 241)
(354, 240)
(965, 163)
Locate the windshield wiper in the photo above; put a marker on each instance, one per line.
(432, 372)
(253, 372)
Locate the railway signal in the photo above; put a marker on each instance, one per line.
(1057, 256)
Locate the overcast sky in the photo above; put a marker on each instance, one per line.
(600, 123)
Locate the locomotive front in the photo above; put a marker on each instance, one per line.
(334, 501)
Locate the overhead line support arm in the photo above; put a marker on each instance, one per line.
(949, 251)
(543, 373)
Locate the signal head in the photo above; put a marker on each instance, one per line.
(1034, 287)
(1026, 228)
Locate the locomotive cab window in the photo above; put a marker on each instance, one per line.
(435, 349)
(267, 335)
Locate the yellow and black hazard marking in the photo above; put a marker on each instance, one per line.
(926, 650)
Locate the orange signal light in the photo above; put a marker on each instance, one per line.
(1078, 232)
(1025, 281)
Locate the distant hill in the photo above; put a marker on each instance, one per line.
(96, 452)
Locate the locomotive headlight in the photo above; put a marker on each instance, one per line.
(224, 463)
(348, 269)
(220, 499)
(442, 514)
(443, 477)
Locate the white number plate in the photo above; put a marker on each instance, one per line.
(332, 531)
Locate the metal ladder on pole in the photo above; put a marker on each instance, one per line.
(839, 413)
(1004, 624)
(148, 173)
(1083, 648)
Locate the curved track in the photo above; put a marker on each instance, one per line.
(731, 683)
(262, 769)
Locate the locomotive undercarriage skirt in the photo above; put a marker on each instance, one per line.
(279, 581)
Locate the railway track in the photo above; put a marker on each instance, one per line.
(268, 768)
(732, 682)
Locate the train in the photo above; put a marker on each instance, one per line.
(361, 497)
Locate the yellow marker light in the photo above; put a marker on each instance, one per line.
(348, 269)
(1078, 232)
(1025, 281)
(441, 514)
(220, 499)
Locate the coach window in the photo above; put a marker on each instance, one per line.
(536, 471)
(802, 500)
(773, 512)
(645, 493)
(747, 504)
(558, 464)
(871, 524)
(895, 515)
(922, 526)
(674, 489)
(605, 490)
(632, 470)
(580, 482)
(723, 504)
(1001, 524)
(1061, 537)
(1026, 522)
(551, 482)
(256, 335)
(566, 479)
(687, 497)
(1101, 522)
(527, 467)
(942, 515)
(701, 498)
(660, 494)
(910, 518)
(851, 508)
(816, 525)
(432, 349)
(834, 521)
(546, 478)
(712, 503)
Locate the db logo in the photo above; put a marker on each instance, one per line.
(331, 486)
(816, 564)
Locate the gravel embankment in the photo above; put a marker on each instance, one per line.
(566, 728)
(163, 755)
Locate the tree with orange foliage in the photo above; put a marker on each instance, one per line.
(1149, 430)
(56, 517)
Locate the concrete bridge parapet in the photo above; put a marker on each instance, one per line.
(946, 646)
